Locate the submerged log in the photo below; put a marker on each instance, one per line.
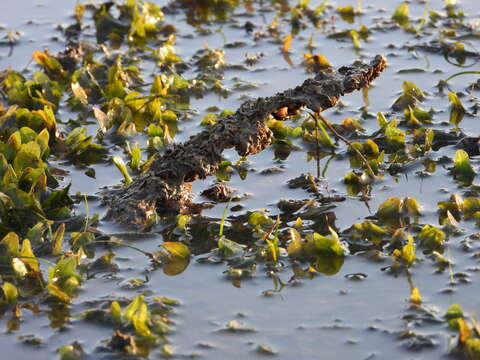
(164, 187)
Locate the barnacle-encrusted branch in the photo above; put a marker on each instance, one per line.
(164, 187)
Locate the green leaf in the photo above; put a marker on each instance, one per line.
(175, 265)
(10, 292)
(453, 312)
(347, 13)
(473, 347)
(401, 15)
(295, 246)
(229, 248)
(317, 244)
(412, 206)
(258, 219)
(49, 63)
(118, 161)
(471, 206)
(355, 39)
(28, 157)
(411, 95)
(329, 264)
(209, 120)
(12, 242)
(390, 208)
(135, 157)
(28, 256)
(408, 251)
(71, 352)
(395, 137)
(140, 320)
(457, 110)
(132, 308)
(431, 237)
(116, 312)
(462, 169)
(177, 249)
(55, 291)
(58, 239)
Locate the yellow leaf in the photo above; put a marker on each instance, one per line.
(11, 242)
(10, 292)
(408, 251)
(40, 57)
(415, 297)
(101, 118)
(287, 43)
(59, 294)
(58, 239)
(175, 266)
(464, 331)
(80, 93)
(28, 257)
(295, 247)
(177, 249)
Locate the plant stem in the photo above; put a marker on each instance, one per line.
(349, 143)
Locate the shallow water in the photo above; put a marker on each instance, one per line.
(328, 317)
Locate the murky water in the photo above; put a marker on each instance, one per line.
(326, 317)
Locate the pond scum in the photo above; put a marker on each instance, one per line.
(47, 252)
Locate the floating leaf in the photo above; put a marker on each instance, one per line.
(472, 346)
(10, 292)
(177, 249)
(295, 246)
(316, 63)
(175, 266)
(401, 15)
(453, 313)
(408, 251)
(48, 62)
(411, 95)
(457, 111)
(415, 297)
(116, 312)
(464, 331)
(287, 43)
(390, 208)
(79, 93)
(28, 257)
(347, 13)
(431, 237)
(462, 169)
(368, 231)
(58, 293)
(58, 239)
(229, 248)
(140, 320)
(258, 219)
(118, 161)
(19, 267)
(12, 242)
(355, 39)
(209, 120)
(71, 352)
(412, 206)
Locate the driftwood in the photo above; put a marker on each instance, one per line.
(164, 187)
